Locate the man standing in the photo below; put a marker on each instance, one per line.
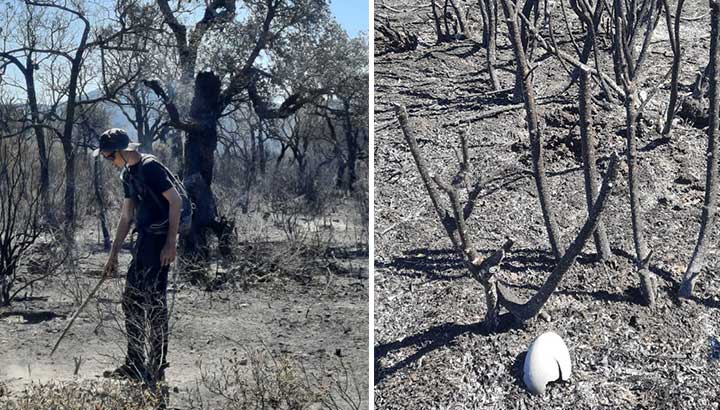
(153, 203)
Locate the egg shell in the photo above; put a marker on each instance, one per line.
(547, 360)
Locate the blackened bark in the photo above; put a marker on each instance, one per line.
(536, 147)
(675, 43)
(40, 139)
(262, 153)
(627, 67)
(527, 9)
(337, 152)
(201, 141)
(102, 215)
(587, 141)
(145, 138)
(351, 142)
(490, 7)
(69, 198)
(642, 255)
(200, 145)
(709, 209)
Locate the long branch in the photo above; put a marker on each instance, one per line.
(528, 310)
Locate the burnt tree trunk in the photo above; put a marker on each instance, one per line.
(709, 209)
(337, 152)
(522, 32)
(627, 64)
(490, 7)
(674, 33)
(102, 214)
(352, 147)
(642, 254)
(262, 154)
(199, 159)
(536, 147)
(145, 138)
(40, 139)
(69, 197)
(587, 141)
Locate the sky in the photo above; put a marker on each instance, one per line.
(353, 15)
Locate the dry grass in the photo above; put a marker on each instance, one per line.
(80, 395)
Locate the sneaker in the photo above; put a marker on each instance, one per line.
(124, 372)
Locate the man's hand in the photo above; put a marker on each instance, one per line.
(110, 266)
(168, 253)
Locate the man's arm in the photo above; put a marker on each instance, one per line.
(123, 227)
(168, 253)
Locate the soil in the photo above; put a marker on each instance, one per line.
(317, 320)
(431, 348)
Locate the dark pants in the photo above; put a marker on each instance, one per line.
(145, 306)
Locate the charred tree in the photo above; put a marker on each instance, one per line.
(674, 34)
(709, 209)
(628, 63)
(591, 19)
(448, 22)
(210, 98)
(481, 269)
(19, 215)
(490, 38)
(587, 142)
(395, 40)
(100, 200)
(536, 146)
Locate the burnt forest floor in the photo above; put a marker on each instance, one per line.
(431, 350)
(305, 330)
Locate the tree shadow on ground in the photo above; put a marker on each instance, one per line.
(439, 264)
(429, 340)
(538, 260)
(32, 318)
(435, 264)
(657, 142)
(523, 259)
(630, 295)
(472, 48)
(673, 287)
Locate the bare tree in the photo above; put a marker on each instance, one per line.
(674, 35)
(587, 141)
(709, 209)
(266, 27)
(448, 21)
(489, 10)
(20, 225)
(26, 60)
(628, 63)
(481, 269)
(536, 146)
(73, 91)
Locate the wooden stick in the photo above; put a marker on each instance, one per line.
(72, 320)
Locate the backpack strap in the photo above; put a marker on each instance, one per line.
(143, 159)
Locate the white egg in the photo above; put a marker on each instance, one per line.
(547, 360)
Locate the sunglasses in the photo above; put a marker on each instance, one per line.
(110, 156)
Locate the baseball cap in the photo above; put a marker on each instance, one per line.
(115, 139)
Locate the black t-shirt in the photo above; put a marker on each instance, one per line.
(150, 207)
